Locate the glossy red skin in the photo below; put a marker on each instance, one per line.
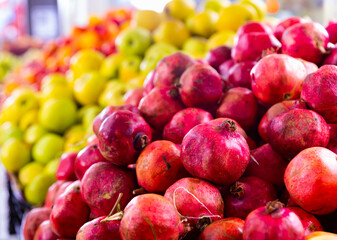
(159, 106)
(267, 164)
(159, 166)
(320, 92)
(53, 192)
(277, 77)
(241, 105)
(65, 170)
(272, 112)
(224, 69)
(225, 229)
(70, 212)
(148, 84)
(291, 132)
(200, 86)
(122, 136)
(309, 66)
(252, 46)
(45, 232)
(247, 194)
(107, 111)
(101, 185)
(282, 224)
(92, 140)
(134, 96)
(314, 187)
(215, 153)
(310, 223)
(183, 121)
(308, 40)
(186, 195)
(285, 24)
(215, 57)
(33, 220)
(253, 26)
(331, 58)
(332, 31)
(87, 157)
(170, 68)
(150, 216)
(97, 230)
(239, 74)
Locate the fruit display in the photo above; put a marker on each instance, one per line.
(147, 140)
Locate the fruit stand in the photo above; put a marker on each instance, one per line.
(215, 120)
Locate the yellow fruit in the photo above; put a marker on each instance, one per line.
(234, 16)
(196, 47)
(112, 94)
(135, 82)
(147, 19)
(9, 130)
(110, 65)
(33, 133)
(53, 79)
(180, 9)
(29, 172)
(36, 190)
(216, 5)
(48, 147)
(202, 24)
(221, 38)
(171, 31)
(75, 142)
(29, 119)
(14, 154)
(259, 5)
(52, 166)
(86, 60)
(129, 68)
(56, 91)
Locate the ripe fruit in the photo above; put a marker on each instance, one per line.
(45, 232)
(215, 57)
(285, 24)
(239, 74)
(36, 191)
(29, 172)
(133, 41)
(310, 223)
(14, 154)
(86, 60)
(47, 148)
(65, 170)
(33, 220)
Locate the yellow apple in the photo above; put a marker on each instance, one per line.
(14, 154)
(47, 148)
(29, 172)
(216, 5)
(129, 68)
(36, 190)
(33, 133)
(113, 93)
(221, 38)
(53, 79)
(259, 5)
(9, 130)
(203, 23)
(86, 60)
(147, 19)
(110, 65)
(196, 47)
(180, 9)
(29, 119)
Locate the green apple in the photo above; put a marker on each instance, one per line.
(51, 166)
(28, 119)
(14, 154)
(86, 60)
(147, 19)
(36, 190)
(56, 91)
(9, 130)
(154, 54)
(196, 47)
(180, 9)
(88, 87)
(75, 138)
(57, 114)
(88, 117)
(29, 172)
(216, 5)
(129, 68)
(171, 31)
(203, 23)
(110, 65)
(33, 133)
(47, 148)
(133, 41)
(53, 79)
(113, 93)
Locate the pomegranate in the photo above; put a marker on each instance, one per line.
(45, 232)
(295, 130)
(331, 59)
(308, 40)
(224, 70)
(224, 229)
(200, 86)
(217, 153)
(97, 229)
(148, 82)
(159, 166)
(170, 68)
(309, 66)
(239, 74)
(320, 92)
(122, 136)
(133, 96)
(101, 185)
(196, 200)
(183, 121)
(273, 222)
(254, 45)
(277, 77)
(332, 31)
(33, 220)
(310, 179)
(267, 164)
(159, 106)
(310, 223)
(215, 57)
(252, 26)
(65, 170)
(241, 105)
(150, 216)
(285, 24)
(332, 145)
(247, 194)
(70, 212)
(87, 157)
(54, 192)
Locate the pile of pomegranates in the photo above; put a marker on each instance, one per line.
(240, 145)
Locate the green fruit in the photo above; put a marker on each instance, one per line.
(86, 60)
(113, 93)
(14, 154)
(34, 133)
(133, 41)
(37, 189)
(47, 148)
(110, 65)
(57, 114)
(9, 130)
(29, 172)
(53, 79)
(52, 166)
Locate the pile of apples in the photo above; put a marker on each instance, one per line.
(239, 145)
